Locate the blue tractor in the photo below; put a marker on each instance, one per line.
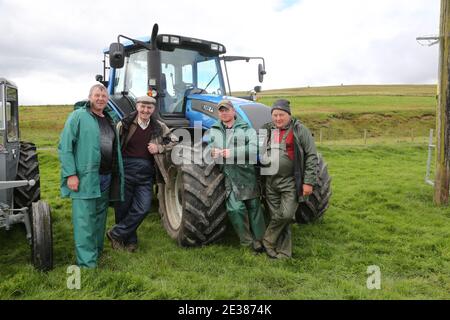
(186, 77)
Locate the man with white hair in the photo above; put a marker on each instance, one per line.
(91, 172)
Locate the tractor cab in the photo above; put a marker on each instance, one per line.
(9, 136)
(184, 74)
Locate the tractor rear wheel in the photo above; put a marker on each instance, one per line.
(42, 239)
(28, 169)
(192, 204)
(317, 203)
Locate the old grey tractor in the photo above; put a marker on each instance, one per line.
(20, 183)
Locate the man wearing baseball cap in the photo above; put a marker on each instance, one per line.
(232, 142)
(296, 159)
(143, 139)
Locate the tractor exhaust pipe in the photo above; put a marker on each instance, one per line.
(154, 35)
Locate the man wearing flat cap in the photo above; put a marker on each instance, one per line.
(143, 141)
(292, 150)
(233, 143)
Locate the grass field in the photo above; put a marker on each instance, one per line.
(381, 213)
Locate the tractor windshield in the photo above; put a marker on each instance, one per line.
(184, 72)
(133, 78)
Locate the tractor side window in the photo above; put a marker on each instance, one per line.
(176, 80)
(136, 78)
(168, 72)
(187, 74)
(208, 77)
(2, 121)
(12, 115)
(119, 80)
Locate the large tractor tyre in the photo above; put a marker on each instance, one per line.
(28, 169)
(317, 203)
(192, 204)
(42, 236)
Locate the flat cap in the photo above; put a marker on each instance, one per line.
(146, 100)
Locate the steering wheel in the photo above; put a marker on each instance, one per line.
(194, 90)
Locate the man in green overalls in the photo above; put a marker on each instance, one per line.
(292, 153)
(91, 172)
(233, 140)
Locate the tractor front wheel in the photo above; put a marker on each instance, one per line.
(192, 204)
(42, 239)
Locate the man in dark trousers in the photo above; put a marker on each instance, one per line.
(143, 140)
(291, 147)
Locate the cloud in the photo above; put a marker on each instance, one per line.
(53, 49)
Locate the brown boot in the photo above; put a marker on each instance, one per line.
(131, 247)
(271, 253)
(258, 246)
(115, 244)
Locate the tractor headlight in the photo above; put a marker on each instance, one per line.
(174, 40)
(152, 93)
(214, 47)
(165, 39)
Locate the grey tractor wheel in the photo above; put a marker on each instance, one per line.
(192, 204)
(28, 168)
(317, 203)
(42, 239)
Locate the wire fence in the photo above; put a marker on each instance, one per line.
(367, 136)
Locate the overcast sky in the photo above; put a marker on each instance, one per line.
(53, 49)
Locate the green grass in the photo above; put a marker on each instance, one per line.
(381, 213)
(341, 113)
(42, 124)
(356, 90)
(344, 113)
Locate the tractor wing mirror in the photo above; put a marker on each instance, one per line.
(99, 78)
(261, 72)
(257, 89)
(116, 55)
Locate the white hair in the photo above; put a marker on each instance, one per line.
(98, 86)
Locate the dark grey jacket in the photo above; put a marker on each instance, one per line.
(305, 155)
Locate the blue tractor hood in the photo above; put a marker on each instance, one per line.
(203, 108)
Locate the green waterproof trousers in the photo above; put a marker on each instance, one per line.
(247, 218)
(89, 224)
(281, 197)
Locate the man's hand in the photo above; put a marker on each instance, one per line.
(216, 153)
(226, 153)
(307, 189)
(72, 183)
(153, 148)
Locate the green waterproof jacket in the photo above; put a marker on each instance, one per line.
(239, 169)
(305, 155)
(79, 154)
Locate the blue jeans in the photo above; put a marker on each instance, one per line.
(139, 175)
